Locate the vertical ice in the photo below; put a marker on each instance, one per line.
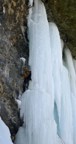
(74, 62)
(48, 106)
(66, 123)
(56, 63)
(72, 78)
(38, 102)
(63, 109)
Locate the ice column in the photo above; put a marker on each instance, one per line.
(72, 77)
(38, 102)
(63, 107)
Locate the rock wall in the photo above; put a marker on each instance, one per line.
(13, 45)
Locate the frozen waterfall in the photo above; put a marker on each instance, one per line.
(48, 106)
(63, 108)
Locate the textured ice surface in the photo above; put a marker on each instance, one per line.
(5, 137)
(72, 78)
(63, 107)
(48, 106)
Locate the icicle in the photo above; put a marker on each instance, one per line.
(62, 44)
(62, 97)
(56, 63)
(31, 3)
(72, 77)
(74, 62)
(66, 121)
(70, 66)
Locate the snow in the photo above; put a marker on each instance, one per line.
(48, 106)
(5, 137)
(18, 103)
(23, 60)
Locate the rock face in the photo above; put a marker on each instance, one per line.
(13, 45)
